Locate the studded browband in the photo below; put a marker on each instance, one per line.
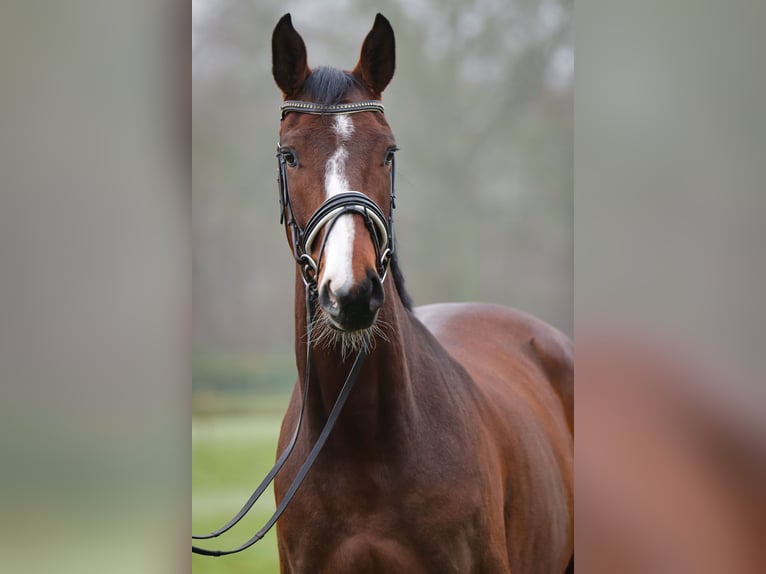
(319, 109)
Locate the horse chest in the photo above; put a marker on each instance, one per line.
(378, 543)
(377, 524)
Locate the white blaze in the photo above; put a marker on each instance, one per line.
(339, 250)
(343, 127)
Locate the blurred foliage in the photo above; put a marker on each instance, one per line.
(481, 105)
(239, 372)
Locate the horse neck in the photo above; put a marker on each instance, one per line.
(381, 400)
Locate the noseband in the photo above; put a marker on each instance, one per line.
(382, 233)
(381, 228)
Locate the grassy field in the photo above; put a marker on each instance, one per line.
(230, 455)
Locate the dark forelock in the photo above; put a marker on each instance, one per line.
(328, 86)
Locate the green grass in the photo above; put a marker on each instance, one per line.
(230, 455)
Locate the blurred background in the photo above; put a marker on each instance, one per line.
(670, 276)
(481, 105)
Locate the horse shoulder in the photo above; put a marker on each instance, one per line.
(478, 334)
(522, 372)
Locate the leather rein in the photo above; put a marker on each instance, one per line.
(380, 228)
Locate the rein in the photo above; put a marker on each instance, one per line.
(381, 231)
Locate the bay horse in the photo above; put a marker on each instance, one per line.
(454, 452)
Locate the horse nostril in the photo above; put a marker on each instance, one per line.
(328, 300)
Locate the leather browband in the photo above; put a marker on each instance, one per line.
(318, 109)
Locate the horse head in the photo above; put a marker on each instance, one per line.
(336, 159)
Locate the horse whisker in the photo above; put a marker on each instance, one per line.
(326, 336)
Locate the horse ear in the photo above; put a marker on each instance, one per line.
(288, 57)
(378, 58)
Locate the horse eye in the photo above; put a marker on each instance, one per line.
(289, 155)
(389, 157)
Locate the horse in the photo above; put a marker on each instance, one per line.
(454, 452)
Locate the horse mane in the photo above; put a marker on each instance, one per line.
(396, 271)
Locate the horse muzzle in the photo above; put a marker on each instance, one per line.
(353, 307)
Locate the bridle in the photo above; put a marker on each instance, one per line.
(303, 239)
(380, 228)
